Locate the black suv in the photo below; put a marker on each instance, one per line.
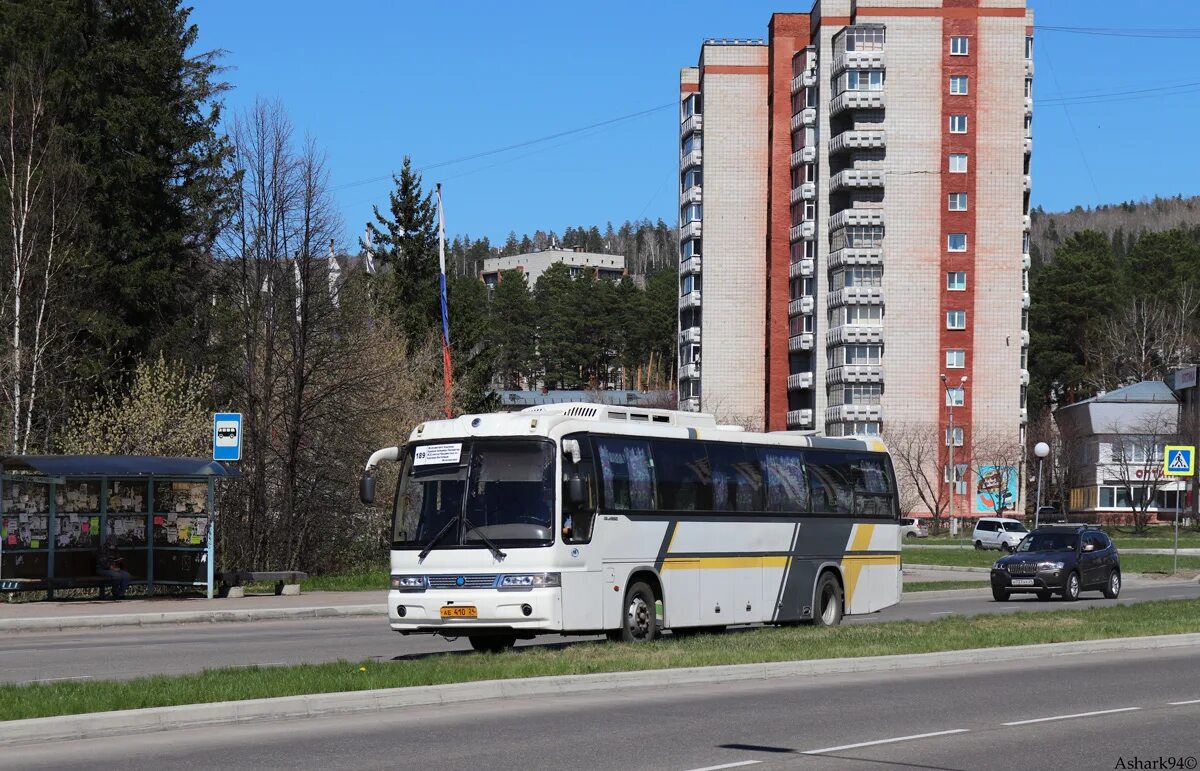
(1059, 559)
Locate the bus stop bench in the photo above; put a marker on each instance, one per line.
(9, 585)
(231, 583)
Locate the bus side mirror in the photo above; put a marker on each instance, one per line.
(366, 488)
(576, 490)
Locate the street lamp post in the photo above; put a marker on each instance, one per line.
(952, 481)
(1041, 450)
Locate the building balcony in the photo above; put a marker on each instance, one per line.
(851, 256)
(803, 155)
(1026, 261)
(692, 125)
(800, 418)
(1024, 377)
(800, 380)
(859, 60)
(1025, 300)
(854, 373)
(691, 159)
(853, 334)
(1024, 338)
(689, 335)
(857, 140)
(1023, 415)
(690, 230)
(806, 117)
(801, 342)
(806, 192)
(857, 100)
(856, 178)
(1026, 223)
(692, 195)
(1028, 145)
(801, 305)
(855, 217)
(1029, 105)
(845, 413)
(690, 300)
(690, 404)
(1029, 68)
(806, 230)
(802, 267)
(689, 371)
(1026, 182)
(856, 295)
(690, 266)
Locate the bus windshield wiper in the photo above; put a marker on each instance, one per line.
(433, 541)
(499, 555)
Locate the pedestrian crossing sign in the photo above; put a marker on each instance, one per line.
(1179, 461)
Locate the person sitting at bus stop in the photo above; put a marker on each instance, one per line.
(111, 565)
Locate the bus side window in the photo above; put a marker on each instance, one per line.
(627, 474)
(786, 485)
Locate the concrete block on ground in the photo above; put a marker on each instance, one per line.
(235, 592)
(290, 590)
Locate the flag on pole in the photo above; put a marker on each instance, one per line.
(370, 252)
(447, 379)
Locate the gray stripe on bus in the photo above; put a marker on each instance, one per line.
(787, 569)
(797, 586)
(666, 544)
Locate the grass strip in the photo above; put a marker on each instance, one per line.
(969, 557)
(749, 646)
(934, 586)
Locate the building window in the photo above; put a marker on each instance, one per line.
(958, 163)
(958, 124)
(955, 397)
(958, 436)
(691, 283)
(958, 202)
(864, 80)
(956, 359)
(863, 394)
(690, 248)
(861, 428)
(956, 319)
(691, 143)
(863, 354)
(691, 106)
(959, 46)
(1028, 46)
(956, 281)
(1028, 87)
(691, 212)
(692, 178)
(958, 85)
(864, 315)
(860, 276)
(956, 242)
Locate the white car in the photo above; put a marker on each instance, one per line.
(998, 533)
(911, 527)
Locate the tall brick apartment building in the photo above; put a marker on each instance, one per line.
(854, 219)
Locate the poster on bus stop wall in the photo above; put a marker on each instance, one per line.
(996, 490)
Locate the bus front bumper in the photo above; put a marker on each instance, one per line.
(459, 612)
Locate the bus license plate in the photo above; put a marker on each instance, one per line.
(459, 611)
(1015, 582)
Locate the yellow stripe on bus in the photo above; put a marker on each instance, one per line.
(691, 563)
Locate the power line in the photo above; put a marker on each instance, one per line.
(516, 146)
(1159, 33)
(1122, 96)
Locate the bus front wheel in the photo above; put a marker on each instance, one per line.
(829, 601)
(639, 617)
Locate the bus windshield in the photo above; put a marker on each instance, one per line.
(500, 489)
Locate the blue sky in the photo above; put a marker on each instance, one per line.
(372, 81)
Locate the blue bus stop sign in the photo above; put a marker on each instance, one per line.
(227, 436)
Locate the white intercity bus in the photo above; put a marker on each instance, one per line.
(588, 518)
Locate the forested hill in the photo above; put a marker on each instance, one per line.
(647, 246)
(1121, 223)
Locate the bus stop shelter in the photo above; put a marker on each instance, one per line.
(56, 509)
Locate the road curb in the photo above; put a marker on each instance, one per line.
(97, 724)
(66, 623)
(908, 566)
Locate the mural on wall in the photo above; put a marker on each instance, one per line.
(997, 489)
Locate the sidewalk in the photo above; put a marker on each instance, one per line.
(77, 614)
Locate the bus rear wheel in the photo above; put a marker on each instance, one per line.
(492, 643)
(639, 617)
(829, 601)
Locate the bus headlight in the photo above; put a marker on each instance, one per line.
(408, 583)
(531, 581)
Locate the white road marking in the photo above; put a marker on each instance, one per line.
(886, 741)
(1069, 717)
(943, 613)
(57, 679)
(728, 765)
(1181, 703)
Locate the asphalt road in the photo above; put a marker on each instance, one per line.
(1085, 712)
(124, 652)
